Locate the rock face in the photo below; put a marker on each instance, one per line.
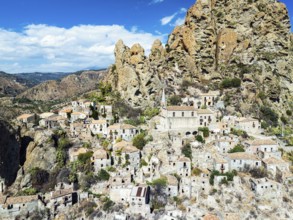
(247, 39)
(69, 86)
(9, 152)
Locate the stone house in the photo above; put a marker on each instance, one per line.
(205, 117)
(80, 129)
(125, 154)
(99, 127)
(46, 115)
(267, 146)
(10, 207)
(60, 199)
(27, 118)
(82, 105)
(124, 131)
(106, 110)
(77, 115)
(220, 164)
(265, 187)
(65, 112)
(274, 165)
(209, 98)
(250, 125)
(172, 186)
(120, 188)
(242, 160)
(100, 159)
(140, 200)
(182, 166)
(52, 122)
(74, 152)
(224, 144)
(194, 186)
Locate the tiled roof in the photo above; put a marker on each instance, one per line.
(60, 193)
(121, 126)
(204, 111)
(100, 154)
(21, 199)
(273, 160)
(24, 116)
(263, 142)
(242, 156)
(99, 122)
(180, 108)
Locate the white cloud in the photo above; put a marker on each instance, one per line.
(49, 48)
(156, 2)
(167, 20)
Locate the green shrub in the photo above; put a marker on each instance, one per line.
(289, 112)
(151, 112)
(84, 158)
(269, 116)
(237, 148)
(174, 100)
(231, 83)
(139, 141)
(103, 175)
(186, 151)
(205, 131)
(199, 138)
(143, 163)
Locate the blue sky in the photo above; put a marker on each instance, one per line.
(69, 35)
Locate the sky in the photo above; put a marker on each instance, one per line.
(72, 35)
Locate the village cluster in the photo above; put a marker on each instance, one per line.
(197, 125)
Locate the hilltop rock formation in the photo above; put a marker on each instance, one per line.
(68, 87)
(247, 39)
(9, 152)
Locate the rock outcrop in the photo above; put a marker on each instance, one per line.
(9, 152)
(9, 86)
(68, 87)
(250, 40)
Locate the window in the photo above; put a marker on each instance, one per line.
(123, 131)
(256, 163)
(265, 149)
(173, 114)
(192, 114)
(182, 114)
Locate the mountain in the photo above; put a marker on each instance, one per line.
(245, 39)
(69, 86)
(9, 85)
(14, 84)
(33, 79)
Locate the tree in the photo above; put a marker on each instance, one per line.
(205, 131)
(237, 148)
(39, 177)
(186, 151)
(175, 100)
(159, 195)
(84, 158)
(199, 138)
(231, 83)
(269, 116)
(139, 141)
(103, 175)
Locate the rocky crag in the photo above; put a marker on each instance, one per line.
(9, 152)
(246, 39)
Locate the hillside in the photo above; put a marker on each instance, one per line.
(69, 86)
(9, 85)
(248, 40)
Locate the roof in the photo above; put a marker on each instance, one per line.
(180, 108)
(100, 154)
(99, 122)
(139, 191)
(77, 113)
(121, 126)
(204, 111)
(21, 199)
(60, 193)
(24, 116)
(128, 149)
(184, 159)
(242, 156)
(46, 114)
(68, 110)
(219, 159)
(122, 144)
(78, 151)
(273, 160)
(210, 217)
(263, 142)
(172, 180)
